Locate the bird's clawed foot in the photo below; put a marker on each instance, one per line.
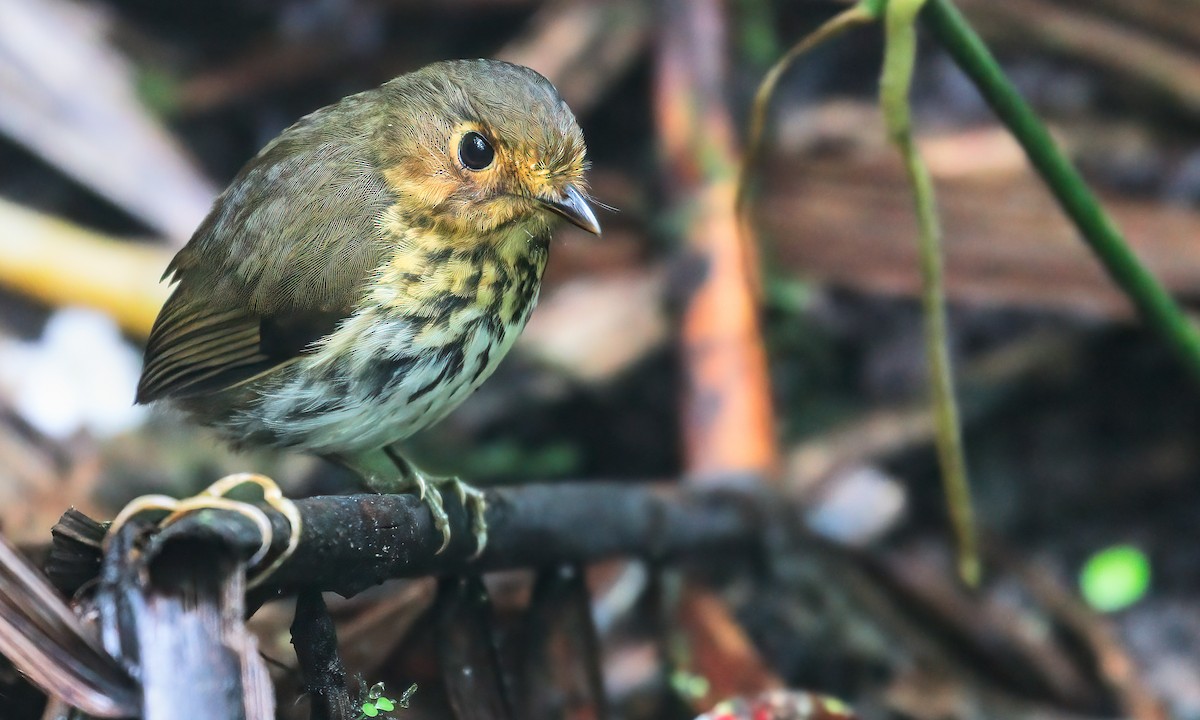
(430, 490)
(214, 498)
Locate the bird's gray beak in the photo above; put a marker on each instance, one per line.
(574, 207)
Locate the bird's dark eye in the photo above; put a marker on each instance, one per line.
(475, 152)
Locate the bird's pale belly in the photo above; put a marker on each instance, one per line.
(389, 386)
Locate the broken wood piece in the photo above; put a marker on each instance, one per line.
(53, 647)
(174, 610)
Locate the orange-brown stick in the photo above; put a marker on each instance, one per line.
(728, 424)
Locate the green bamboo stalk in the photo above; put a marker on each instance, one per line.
(1152, 300)
(899, 58)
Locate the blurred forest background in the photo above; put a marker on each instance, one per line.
(121, 119)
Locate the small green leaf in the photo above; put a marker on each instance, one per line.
(1115, 578)
(385, 704)
(369, 709)
(689, 685)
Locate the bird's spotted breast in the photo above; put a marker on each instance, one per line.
(433, 326)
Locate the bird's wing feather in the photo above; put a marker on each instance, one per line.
(281, 258)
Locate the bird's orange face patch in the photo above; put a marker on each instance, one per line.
(476, 200)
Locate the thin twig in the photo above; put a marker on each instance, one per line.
(851, 17)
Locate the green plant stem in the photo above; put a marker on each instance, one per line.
(1152, 300)
(899, 59)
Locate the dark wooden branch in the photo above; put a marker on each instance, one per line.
(353, 542)
(315, 640)
(350, 543)
(188, 576)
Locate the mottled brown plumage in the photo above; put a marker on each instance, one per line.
(371, 266)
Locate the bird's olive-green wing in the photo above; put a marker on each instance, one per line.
(281, 258)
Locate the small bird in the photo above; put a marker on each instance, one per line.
(370, 267)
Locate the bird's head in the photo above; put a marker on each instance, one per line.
(477, 145)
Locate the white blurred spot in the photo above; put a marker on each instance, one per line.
(858, 506)
(81, 375)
